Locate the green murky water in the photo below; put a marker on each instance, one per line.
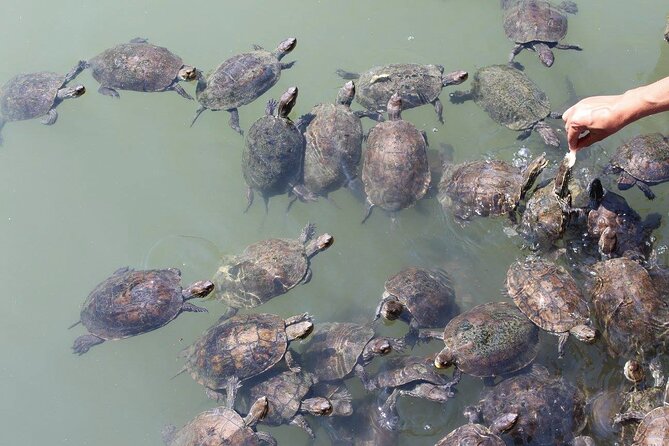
(119, 182)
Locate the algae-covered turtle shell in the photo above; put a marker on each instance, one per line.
(140, 66)
(486, 187)
(132, 302)
(642, 161)
(548, 295)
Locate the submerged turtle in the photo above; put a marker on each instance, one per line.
(512, 100)
(489, 340)
(132, 302)
(666, 30)
(548, 295)
(140, 66)
(477, 434)
(416, 84)
(654, 428)
(423, 298)
(395, 169)
(222, 426)
(364, 428)
(242, 347)
(31, 95)
(267, 269)
(274, 153)
(539, 26)
(642, 161)
(486, 187)
(242, 79)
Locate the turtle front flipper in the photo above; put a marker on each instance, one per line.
(348, 75)
(266, 438)
(83, 343)
(74, 72)
(108, 91)
(234, 121)
(2, 124)
(514, 52)
(189, 307)
(50, 118)
(179, 89)
(302, 423)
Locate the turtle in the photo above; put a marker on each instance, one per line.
(642, 161)
(423, 298)
(336, 350)
(654, 428)
(395, 170)
(417, 84)
(239, 348)
(548, 295)
(550, 410)
(267, 269)
(539, 26)
(486, 187)
(477, 434)
(131, 302)
(513, 100)
(274, 153)
(222, 426)
(486, 341)
(666, 30)
(242, 79)
(140, 66)
(366, 427)
(31, 95)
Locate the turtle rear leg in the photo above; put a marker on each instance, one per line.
(108, 91)
(348, 75)
(50, 118)
(266, 438)
(249, 199)
(83, 343)
(368, 211)
(562, 341)
(568, 46)
(179, 89)
(515, 51)
(287, 65)
(234, 121)
(187, 306)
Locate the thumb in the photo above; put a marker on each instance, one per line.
(573, 133)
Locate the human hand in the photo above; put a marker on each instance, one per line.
(593, 119)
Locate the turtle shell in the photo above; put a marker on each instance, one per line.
(633, 314)
(472, 433)
(264, 270)
(284, 391)
(428, 295)
(334, 349)
(491, 339)
(416, 84)
(638, 401)
(242, 346)
(333, 148)
(216, 427)
(131, 302)
(645, 157)
(654, 429)
(239, 80)
(535, 20)
(509, 97)
(273, 155)
(30, 95)
(400, 370)
(395, 169)
(544, 219)
(136, 67)
(547, 294)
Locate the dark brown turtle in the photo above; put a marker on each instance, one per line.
(242, 79)
(132, 302)
(423, 298)
(539, 26)
(274, 153)
(31, 95)
(477, 434)
(642, 161)
(548, 295)
(267, 269)
(550, 410)
(632, 312)
(242, 347)
(395, 170)
(654, 428)
(489, 340)
(512, 100)
(366, 427)
(486, 187)
(417, 85)
(140, 66)
(222, 426)
(336, 350)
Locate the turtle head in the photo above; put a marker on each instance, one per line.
(285, 47)
(454, 78)
(346, 94)
(287, 102)
(322, 242)
(531, 173)
(633, 371)
(71, 92)
(444, 358)
(377, 347)
(318, 406)
(391, 309)
(545, 54)
(584, 333)
(187, 73)
(394, 107)
(201, 288)
(258, 411)
(299, 327)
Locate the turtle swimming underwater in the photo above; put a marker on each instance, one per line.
(132, 302)
(242, 79)
(140, 66)
(477, 434)
(31, 95)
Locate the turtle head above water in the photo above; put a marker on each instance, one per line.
(286, 46)
(187, 73)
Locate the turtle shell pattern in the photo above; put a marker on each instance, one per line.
(239, 80)
(264, 270)
(428, 295)
(333, 148)
(547, 294)
(509, 97)
(30, 95)
(216, 427)
(544, 220)
(334, 349)
(400, 370)
(535, 20)
(242, 346)
(492, 339)
(131, 302)
(645, 157)
(136, 67)
(284, 391)
(395, 169)
(417, 85)
(654, 429)
(471, 434)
